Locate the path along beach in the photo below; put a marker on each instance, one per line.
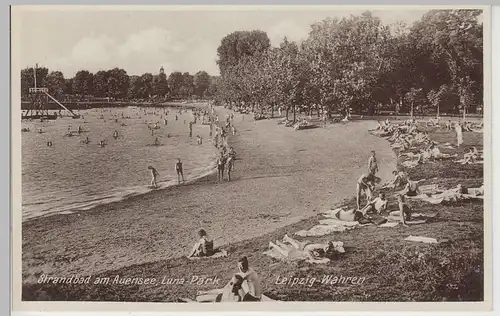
(281, 176)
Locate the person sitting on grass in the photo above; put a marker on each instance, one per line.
(377, 205)
(470, 156)
(404, 213)
(366, 185)
(204, 247)
(313, 253)
(251, 282)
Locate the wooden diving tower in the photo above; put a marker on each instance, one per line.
(39, 99)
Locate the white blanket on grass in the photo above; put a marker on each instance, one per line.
(451, 195)
(426, 240)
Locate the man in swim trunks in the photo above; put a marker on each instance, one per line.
(221, 161)
(372, 163)
(178, 169)
(366, 184)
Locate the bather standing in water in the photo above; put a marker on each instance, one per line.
(154, 176)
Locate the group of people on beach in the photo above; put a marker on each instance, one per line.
(178, 169)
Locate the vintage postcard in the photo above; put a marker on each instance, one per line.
(251, 158)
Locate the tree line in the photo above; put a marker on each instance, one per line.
(116, 84)
(359, 64)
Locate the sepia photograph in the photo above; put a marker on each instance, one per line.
(267, 154)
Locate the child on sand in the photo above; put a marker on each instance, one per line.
(204, 247)
(154, 175)
(178, 169)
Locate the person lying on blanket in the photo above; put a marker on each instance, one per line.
(470, 156)
(366, 185)
(204, 247)
(314, 253)
(376, 205)
(404, 212)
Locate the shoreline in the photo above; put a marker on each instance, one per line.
(124, 193)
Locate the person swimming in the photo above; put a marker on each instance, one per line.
(156, 142)
(115, 134)
(87, 140)
(49, 143)
(102, 143)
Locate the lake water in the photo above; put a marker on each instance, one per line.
(72, 175)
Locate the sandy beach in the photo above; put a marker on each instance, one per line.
(281, 177)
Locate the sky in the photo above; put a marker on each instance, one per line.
(141, 41)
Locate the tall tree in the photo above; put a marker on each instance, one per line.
(83, 83)
(175, 83)
(28, 79)
(201, 83)
(55, 82)
(238, 44)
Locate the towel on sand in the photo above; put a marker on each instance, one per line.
(328, 226)
(426, 240)
(218, 254)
